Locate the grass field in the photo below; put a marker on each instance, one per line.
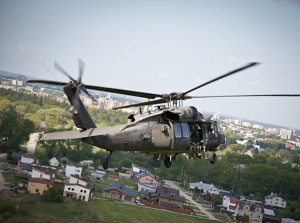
(34, 210)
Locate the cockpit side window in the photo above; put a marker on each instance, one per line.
(185, 130)
(216, 132)
(177, 130)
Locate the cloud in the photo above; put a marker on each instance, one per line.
(22, 47)
(236, 60)
(253, 83)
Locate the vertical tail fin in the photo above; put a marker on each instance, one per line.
(79, 113)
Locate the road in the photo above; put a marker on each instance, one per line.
(34, 137)
(184, 194)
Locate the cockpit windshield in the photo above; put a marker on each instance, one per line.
(185, 130)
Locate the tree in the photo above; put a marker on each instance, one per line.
(51, 195)
(218, 200)
(15, 130)
(245, 218)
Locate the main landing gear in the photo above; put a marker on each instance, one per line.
(105, 164)
(212, 157)
(168, 160)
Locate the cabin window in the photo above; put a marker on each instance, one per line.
(177, 130)
(185, 130)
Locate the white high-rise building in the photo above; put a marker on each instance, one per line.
(286, 133)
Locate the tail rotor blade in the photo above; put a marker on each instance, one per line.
(81, 66)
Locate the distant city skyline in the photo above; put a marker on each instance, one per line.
(164, 46)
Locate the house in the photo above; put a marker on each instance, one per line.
(50, 170)
(38, 186)
(230, 203)
(86, 162)
(77, 192)
(135, 169)
(207, 188)
(76, 180)
(25, 163)
(119, 191)
(102, 170)
(38, 173)
(255, 212)
(147, 187)
(275, 200)
(54, 162)
(269, 216)
(113, 177)
(73, 170)
(29, 160)
(124, 175)
(146, 177)
(125, 170)
(16, 157)
(169, 197)
(97, 176)
(25, 167)
(77, 189)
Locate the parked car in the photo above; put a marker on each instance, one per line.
(13, 187)
(139, 203)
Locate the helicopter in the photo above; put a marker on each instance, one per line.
(165, 132)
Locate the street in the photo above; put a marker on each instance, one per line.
(184, 194)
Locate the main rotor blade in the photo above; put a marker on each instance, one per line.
(248, 95)
(122, 91)
(159, 101)
(81, 66)
(222, 76)
(58, 67)
(99, 88)
(47, 82)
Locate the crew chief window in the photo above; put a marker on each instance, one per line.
(177, 130)
(185, 130)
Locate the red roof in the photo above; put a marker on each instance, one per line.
(233, 200)
(33, 180)
(231, 207)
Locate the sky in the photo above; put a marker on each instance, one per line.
(164, 46)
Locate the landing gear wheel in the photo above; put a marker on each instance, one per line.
(212, 157)
(168, 161)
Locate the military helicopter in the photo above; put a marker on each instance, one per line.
(165, 132)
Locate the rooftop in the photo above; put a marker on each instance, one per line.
(121, 188)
